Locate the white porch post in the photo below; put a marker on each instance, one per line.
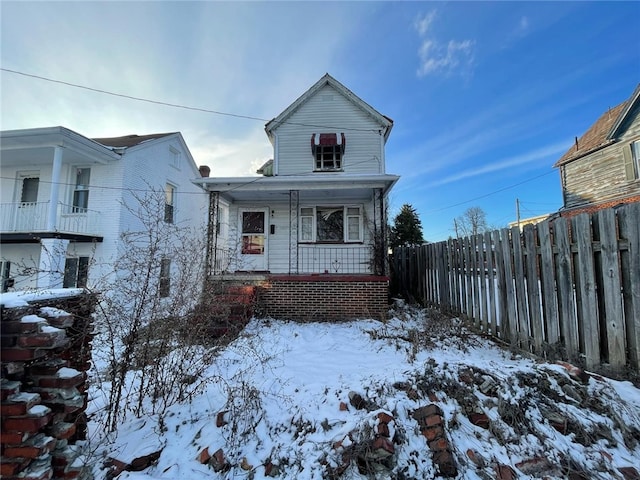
(55, 189)
(53, 252)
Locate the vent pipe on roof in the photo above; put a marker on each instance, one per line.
(204, 170)
(577, 148)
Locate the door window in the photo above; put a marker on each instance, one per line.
(253, 233)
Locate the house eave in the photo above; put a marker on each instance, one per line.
(50, 137)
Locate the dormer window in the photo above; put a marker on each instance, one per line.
(327, 150)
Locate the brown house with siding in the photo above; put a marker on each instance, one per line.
(602, 169)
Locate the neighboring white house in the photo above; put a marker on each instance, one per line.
(63, 200)
(320, 204)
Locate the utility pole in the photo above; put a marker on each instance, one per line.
(518, 212)
(455, 225)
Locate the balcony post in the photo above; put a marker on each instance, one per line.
(55, 189)
(53, 252)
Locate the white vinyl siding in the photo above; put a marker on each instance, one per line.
(363, 144)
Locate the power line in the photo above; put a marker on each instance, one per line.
(490, 193)
(176, 105)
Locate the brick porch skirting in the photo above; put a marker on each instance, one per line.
(324, 297)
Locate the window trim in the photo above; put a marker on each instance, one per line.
(634, 147)
(313, 215)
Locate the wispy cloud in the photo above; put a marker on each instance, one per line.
(536, 156)
(447, 57)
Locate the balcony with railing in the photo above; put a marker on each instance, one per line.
(34, 217)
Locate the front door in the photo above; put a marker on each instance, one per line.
(253, 241)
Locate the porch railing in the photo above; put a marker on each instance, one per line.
(347, 259)
(26, 217)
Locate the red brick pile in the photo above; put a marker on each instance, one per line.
(45, 355)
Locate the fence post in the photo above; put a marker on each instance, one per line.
(492, 287)
(568, 318)
(521, 291)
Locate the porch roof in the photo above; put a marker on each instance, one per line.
(320, 185)
(35, 146)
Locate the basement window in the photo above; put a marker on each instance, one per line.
(331, 224)
(327, 150)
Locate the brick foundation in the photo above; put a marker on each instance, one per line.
(324, 297)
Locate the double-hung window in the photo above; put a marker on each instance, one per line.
(80, 199)
(164, 285)
(76, 271)
(331, 224)
(169, 203)
(327, 150)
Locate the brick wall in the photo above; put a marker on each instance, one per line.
(324, 297)
(46, 348)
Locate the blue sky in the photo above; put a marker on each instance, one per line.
(485, 96)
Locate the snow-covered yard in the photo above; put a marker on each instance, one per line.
(412, 397)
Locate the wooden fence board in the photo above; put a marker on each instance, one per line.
(512, 309)
(549, 294)
(533, 288)
(585, 284)
(467, 274)
(491, 307)
(521, 291)
(501, 292)
(567, 306)
(629, 223)
(611, 286)
(474, 279)
(482, 278)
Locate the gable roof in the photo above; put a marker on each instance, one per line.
(327, 79)
(130, 140)
(602, 133)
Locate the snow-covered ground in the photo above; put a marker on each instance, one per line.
(305, 401)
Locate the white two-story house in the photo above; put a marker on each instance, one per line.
(66, 199)
(317, 213)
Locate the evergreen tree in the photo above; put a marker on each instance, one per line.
(407, 228)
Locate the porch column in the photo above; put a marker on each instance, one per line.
(294, 203)
(55, 189)
(212, 234)
(53, 252)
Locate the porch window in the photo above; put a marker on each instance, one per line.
(164, 285)
(170, 195)
(80, 200)
(76, 271)
(331, 224)
(327, 150)
(29, 193)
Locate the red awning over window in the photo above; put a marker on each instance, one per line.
(327, 139)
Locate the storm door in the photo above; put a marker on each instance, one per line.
(253, 240)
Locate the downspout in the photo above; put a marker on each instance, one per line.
(55, 189)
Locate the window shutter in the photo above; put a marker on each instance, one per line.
(629, 169)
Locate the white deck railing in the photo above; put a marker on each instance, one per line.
(34, 216)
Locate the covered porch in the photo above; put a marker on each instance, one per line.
(324, 225)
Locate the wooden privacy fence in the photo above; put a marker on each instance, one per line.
(564, 288)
